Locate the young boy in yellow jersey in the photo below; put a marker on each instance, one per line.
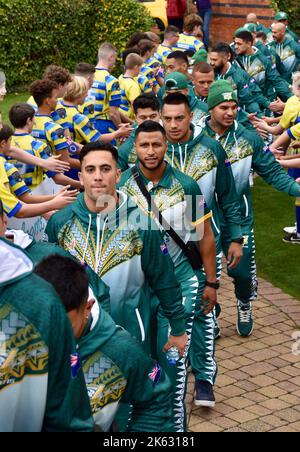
(87, 71)
(21, 116)
(130, 88)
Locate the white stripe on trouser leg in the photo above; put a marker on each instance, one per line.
(180, 391)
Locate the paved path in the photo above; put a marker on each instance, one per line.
(258, 387)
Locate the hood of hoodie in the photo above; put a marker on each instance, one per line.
(14, 263)
(21, 238)
(100, 329)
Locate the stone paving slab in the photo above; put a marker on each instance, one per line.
(258, 385)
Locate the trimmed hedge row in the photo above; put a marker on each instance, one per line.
(34, 34)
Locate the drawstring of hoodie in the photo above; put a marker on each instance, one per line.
(99, 242)
(87, 239)
(182, 161)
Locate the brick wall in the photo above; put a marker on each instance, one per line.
(228, 16)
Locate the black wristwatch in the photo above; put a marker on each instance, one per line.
(240, 241)
(213, 285)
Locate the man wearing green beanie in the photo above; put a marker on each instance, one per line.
(245, 150)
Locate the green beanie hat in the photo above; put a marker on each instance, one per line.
(281, 16)
(199, 57)
(175, 81)
(220, 91)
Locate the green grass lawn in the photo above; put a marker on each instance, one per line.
(9, 100)
(277, 262)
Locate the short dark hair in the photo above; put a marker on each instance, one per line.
(57, 74)
(149, 127)
(262, 34)
(98, 146)
(83, 69)
(223, 47)
(179, 56)
(245, 36)
(203, 68)
(6, 132)
(42, 89)
(189, 53)
(127, 52)
(176, 99)
(146, 100)
(145, 45)
(20, 113)
(68, 277)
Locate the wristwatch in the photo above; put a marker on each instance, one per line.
(240, 241)
(213, 285)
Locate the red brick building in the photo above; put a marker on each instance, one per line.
(228, 16)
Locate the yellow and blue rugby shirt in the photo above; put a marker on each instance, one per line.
(88, 108)
(106, 91)
(81, 129)
(162, 53)
(32, 175)
(130, 90)
(291, 114)
(144, 84)
(148, 72)
(16, 184)
(50, 133)
(189, 42)
(11, 204)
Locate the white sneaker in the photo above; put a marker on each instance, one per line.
(292, 230)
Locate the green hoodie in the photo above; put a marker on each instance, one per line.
(248, 92)
(246, 151)
(289, 53)
(266, 76)
(117, 371)
(206, 162)
(37, 390)
(129, 255)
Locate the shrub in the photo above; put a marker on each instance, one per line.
(34, 34)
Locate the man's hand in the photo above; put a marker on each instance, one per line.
(277, 106)
(235, 254)
(209, 299)
(55, 165)
(124, 131)
(180, 342)
(64, 197)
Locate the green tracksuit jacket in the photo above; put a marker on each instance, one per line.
(289, 53)
(38, 390)
(129, 255)
(246, 151)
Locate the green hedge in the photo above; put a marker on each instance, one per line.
(36, 33)
(291, 7)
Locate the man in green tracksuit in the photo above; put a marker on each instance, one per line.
(200, 158)
(260, 68)
(110, 235)
(145, 107)
(115, 367)
(181, 203)
(286, 48)
(249, 94)
(41, 383)
(245, 151)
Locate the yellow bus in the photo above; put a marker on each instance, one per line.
(158, 10)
